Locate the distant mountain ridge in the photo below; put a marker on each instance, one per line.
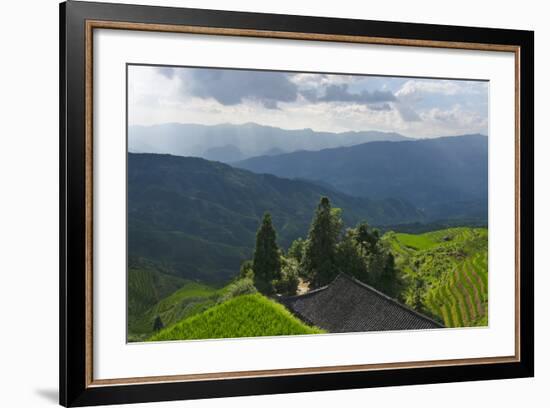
(199, 218)
(445, 177)
(228, 143)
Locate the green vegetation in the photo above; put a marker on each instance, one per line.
(317, 260)
(319, 257)
(204, 237)
(200, 218)
(358, 252)
(363, 254)
(287, 284)
(189, 300)
(148, 284)
(267, 260)
(445, 273)
(441, 273)
(244, 316)
(417, 242)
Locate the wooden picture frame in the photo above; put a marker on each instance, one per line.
(78, 20)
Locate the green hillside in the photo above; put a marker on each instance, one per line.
(200, 217)
(190, 299)
(243, 316)
(147, 285)
(446, 273)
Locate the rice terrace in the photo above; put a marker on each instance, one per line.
(305, 204)
(451, 267)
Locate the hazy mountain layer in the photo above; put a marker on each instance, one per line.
(446, 177)
(228, 143)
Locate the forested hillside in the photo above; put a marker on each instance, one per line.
(442, 274)
(199, 218)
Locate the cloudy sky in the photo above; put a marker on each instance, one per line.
(410, 106)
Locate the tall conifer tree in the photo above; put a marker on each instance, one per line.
(266, 262)
(319, 260)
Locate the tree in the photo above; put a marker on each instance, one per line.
(288, 283)
(266, 262)
(296, 249)
(157, 324)
(349, 256)
(367, 238)
(364, 255)
(389, 280)
(319, 258)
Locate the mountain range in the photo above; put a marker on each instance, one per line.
(229, 143)
(445, 177)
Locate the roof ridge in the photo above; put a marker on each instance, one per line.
(383, 295)
(311, 292)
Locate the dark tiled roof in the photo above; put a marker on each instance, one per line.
(348, 305)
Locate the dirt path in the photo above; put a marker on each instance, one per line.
(303, 287)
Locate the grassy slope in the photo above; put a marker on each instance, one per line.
(146, 286)
(451, 265)
(243, 316)
(190, 299)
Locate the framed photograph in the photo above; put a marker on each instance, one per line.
(256, 204)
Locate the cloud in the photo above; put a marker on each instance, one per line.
(381, 107)
(416, 89)
(341, 93)
(331, 102)
(167, 72)
(457, 117)
(232, 87)
(417, 97)
(321, 80)
(407, 113)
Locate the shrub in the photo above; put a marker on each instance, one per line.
(158, 325)
(247, 270)
(240, 287)
(288, 283)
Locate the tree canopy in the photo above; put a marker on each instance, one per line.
(359, 252)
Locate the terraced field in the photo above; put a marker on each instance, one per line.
(147, 286)
(446, 273)
(190, 299)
